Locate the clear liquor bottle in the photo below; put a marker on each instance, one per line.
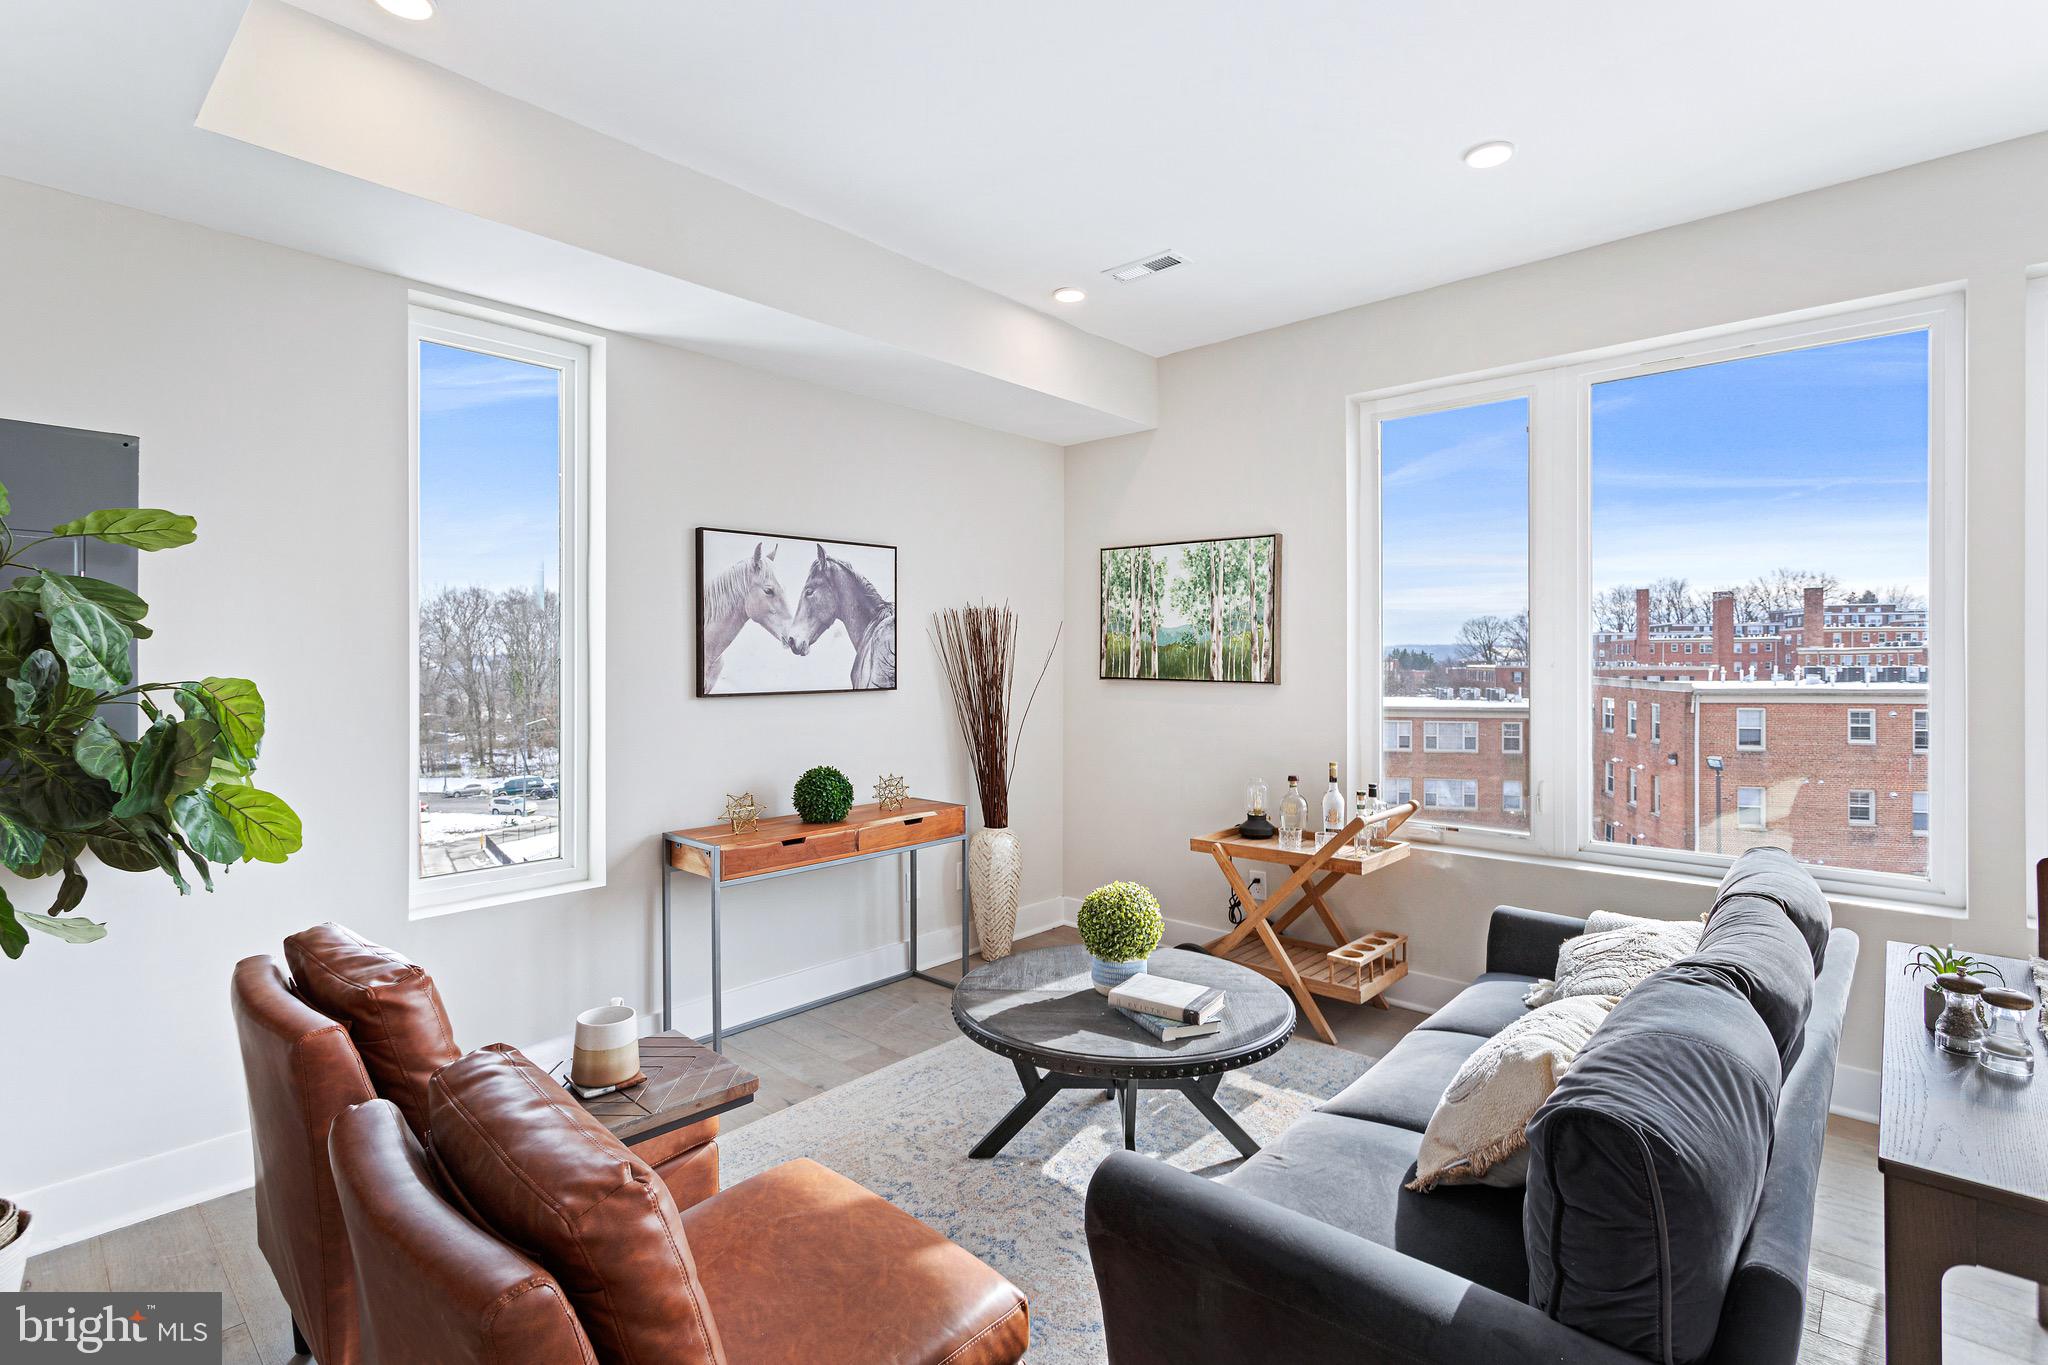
(1293, 813)
(1333, 805)
(1368, 805)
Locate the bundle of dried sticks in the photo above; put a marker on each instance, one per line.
(978, 647)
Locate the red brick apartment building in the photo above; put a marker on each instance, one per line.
(1821, 745)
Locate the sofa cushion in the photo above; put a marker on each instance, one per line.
(389, 1003)
(1476, 1135)
(1485, 1007)
(1755, 945)
(543, 1174)
(1647, 1163)
(1774, 875)
(1613, 961)
(805, 1265)
(1349, 1173)
(1402, 1088)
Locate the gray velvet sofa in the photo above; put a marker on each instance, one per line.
(1312, 1250)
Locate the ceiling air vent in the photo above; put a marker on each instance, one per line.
(1146, 265)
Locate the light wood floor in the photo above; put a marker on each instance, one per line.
(1989, 1318)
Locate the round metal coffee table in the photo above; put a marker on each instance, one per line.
(1039, 1009)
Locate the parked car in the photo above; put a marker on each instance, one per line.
(466, 789)
(539, 788)
(511, 805)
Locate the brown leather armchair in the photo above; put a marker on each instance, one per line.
(527, 1204)
(355, 1021)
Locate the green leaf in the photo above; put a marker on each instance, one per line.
(18, 629)
(13, 938)
(57, 795)
(151, 831)
(91, 639)
(40, 679)
(20, 846)
(140, 528)
(207, 825)
(268, 828)
(71, 893)
(102, 753)
(236, 707)
(6, 506)
(112, 596)
(71, 928)
(73, 709)
(58, 849)
(121, 850)
(162, 762)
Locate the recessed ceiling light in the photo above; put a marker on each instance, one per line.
(1066, 293)
(1487, 155)
(408, 9)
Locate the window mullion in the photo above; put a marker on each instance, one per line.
(1559, 620)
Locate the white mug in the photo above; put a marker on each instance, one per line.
(607, 1050)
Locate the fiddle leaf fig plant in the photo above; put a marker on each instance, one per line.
(179, 796)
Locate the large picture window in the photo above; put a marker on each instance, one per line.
(501, 621)
(1743, 554)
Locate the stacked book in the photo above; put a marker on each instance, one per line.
(1169, 1009)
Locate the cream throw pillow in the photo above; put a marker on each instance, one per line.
(1478, 1134)
(1612, 961)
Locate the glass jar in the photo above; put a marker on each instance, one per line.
(1960, 1029)
(2007, 1048)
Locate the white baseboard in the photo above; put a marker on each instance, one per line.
(100, 1201)
(1856, 1092)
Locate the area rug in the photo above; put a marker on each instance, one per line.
(904, 1132)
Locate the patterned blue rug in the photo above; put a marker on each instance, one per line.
(904, 1132)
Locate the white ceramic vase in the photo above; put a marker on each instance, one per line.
(14, 1255)
(995, 874)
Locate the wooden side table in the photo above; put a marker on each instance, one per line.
(686, 1083)
(1964, 1154)
(784, 846)
(1354, 970)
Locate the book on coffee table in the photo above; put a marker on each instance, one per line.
(1168, 1032)
(1179, 1002)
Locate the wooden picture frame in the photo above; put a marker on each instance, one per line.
(1165, 604)
(832, 603)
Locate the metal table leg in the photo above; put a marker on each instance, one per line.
(668, 1015)
(717, 974)
(913, 912)
(966, 916)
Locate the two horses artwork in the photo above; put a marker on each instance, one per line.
(795, 650)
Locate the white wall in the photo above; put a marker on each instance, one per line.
(268, 390)
(1252, 438)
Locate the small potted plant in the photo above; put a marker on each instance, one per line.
(1120, 925)
(1935, 962)
(822, 796)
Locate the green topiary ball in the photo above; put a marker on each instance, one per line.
(1120, 922)
(822, 795)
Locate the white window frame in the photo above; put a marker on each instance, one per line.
(1631, 717)
(580, 358)
(1656, 722)
(1407, 733)
(1399, 790)
(1762, 728)
(1631, 787)
(1433, 736)
(1512, 786)
(1762, 808)
(1607, 715)
(1656, 793)
(1869, 800)
(1520, 729)
(1562, 778)
(1871, 712)
(1607, 778)
(1468, 793)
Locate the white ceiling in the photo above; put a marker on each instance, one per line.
(1303, 154)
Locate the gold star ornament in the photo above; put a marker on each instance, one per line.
(742, 811)
(891, 792)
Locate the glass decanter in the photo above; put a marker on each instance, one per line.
(2007, 1049)
(1960, 1029)
(1293, 814)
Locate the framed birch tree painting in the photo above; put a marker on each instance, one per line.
(1192, 611)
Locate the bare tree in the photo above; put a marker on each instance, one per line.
(1614, 611)
(1515, 637)
(1781, 590)
(1673, 602)
(1482, 639)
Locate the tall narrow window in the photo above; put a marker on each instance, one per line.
(1804, 478)
(501, 722)
(1453, 510)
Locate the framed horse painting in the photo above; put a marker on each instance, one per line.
(778, 614)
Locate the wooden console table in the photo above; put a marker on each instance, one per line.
(1965, 1161)
(1355, 970)
(783, 846)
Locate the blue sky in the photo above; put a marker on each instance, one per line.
(489, 472)
(1813, 459)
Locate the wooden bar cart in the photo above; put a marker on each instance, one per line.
(1355, 969)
